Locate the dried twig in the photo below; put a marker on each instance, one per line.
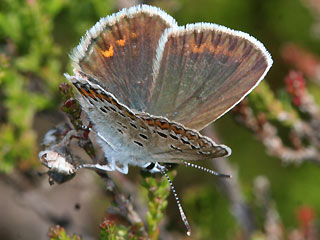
(272, 223)
(260, 121)
(233, 192)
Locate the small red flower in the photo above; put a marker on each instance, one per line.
(295, 86)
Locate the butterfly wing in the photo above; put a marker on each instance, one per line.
(117, 52)
(190, 75)
(172, 142)
(138, 138)
(202, 71)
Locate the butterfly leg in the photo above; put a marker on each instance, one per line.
(104, 167)
(103, 139)
(107, 149)
(123, 169)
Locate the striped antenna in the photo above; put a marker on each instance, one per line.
(206, 170)
(183, 216)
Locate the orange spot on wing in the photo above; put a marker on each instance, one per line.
(191, 136)
(162, 125)
(93, 92)
(201, 143)
(108, 53)
(113, 102)
(100, 96)
(206, 144)
(199, 49)
(148, 121)
(84, 92)
(212, 49)
(130, 115)
(133, 35)
(121, 42)
(177, 130)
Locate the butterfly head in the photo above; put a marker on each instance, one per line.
(60, 170)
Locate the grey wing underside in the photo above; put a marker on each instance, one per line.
(146, 138)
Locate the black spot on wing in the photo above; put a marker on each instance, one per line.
(138, 143)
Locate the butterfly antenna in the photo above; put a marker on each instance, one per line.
(206, 170)
(183, 216)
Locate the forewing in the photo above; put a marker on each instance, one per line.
(202, 71)
(118, 52)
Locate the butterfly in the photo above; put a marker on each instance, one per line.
(149, 86)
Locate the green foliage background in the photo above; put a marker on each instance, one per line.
(36, 37)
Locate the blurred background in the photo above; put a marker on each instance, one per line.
(274, 133)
